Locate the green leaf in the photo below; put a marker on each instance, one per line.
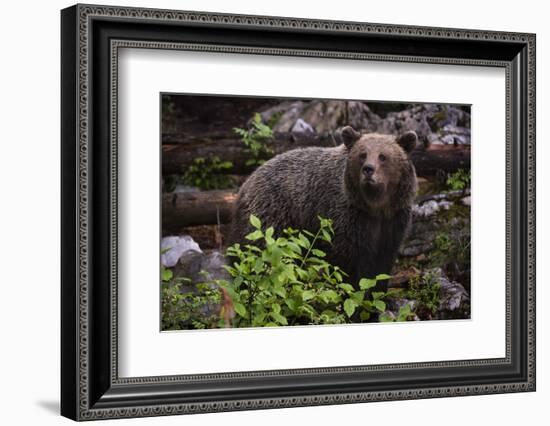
(358, 296)
(280, 291)
(258, 266)
(383, 277)
(366, 283)
(318, 253)
(385, 318)
(276, 254)
(269, 232)
(308, 295)
(294, 247)
(258, 319)
(256, 235)
(329, 296)
(308, 309)
(348, 288)
(279, 318)
(167, 274)
(240, 309)
(235, 297)
(276, 308)
(289, 271)
(380, 305)
(378, 295)
(349, 307)
(404, 313)
(255, 221)
(303, 241)
(302, 274)
(293, 304)
(365, 315)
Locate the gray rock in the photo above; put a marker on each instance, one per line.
(416, 247)
(445, 205)
(450, 195)
(431, 207)
(174, 247)
(454, 300)
(394, 304)
(280, 109)
(361, 117)
(302, 128)
(455, 130)
(289, 117)
(190, 266)
(434, 124)
(213, 265)
(453, 297)
(467, 201)
(201, 267)
(447, 140)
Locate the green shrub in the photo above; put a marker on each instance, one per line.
(191, 308)
(255, 139)
(274, 281)
(459, 180)
(424, 289)
(285, 280)
(208, 173)
(443, 242)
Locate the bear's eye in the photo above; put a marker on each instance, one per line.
(363, 156)
(382, 157)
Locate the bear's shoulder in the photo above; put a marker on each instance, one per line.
(309, 156)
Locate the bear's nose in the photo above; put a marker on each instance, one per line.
(368, 170)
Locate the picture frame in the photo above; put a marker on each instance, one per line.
(90, 384)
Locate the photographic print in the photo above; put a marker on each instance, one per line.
(293, 212)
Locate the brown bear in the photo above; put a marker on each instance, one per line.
(366, 186)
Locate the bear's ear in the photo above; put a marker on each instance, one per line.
(349, 136)
(408, 141)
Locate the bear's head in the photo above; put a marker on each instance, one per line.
(380, 176)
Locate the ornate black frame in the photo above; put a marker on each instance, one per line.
(91, 37)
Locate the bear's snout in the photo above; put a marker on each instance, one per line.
(368, 170)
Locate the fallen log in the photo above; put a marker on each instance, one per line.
(180, 209)
(446, 158)
(205, 216)
(178, 156)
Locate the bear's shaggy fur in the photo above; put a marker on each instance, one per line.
(366, 186)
